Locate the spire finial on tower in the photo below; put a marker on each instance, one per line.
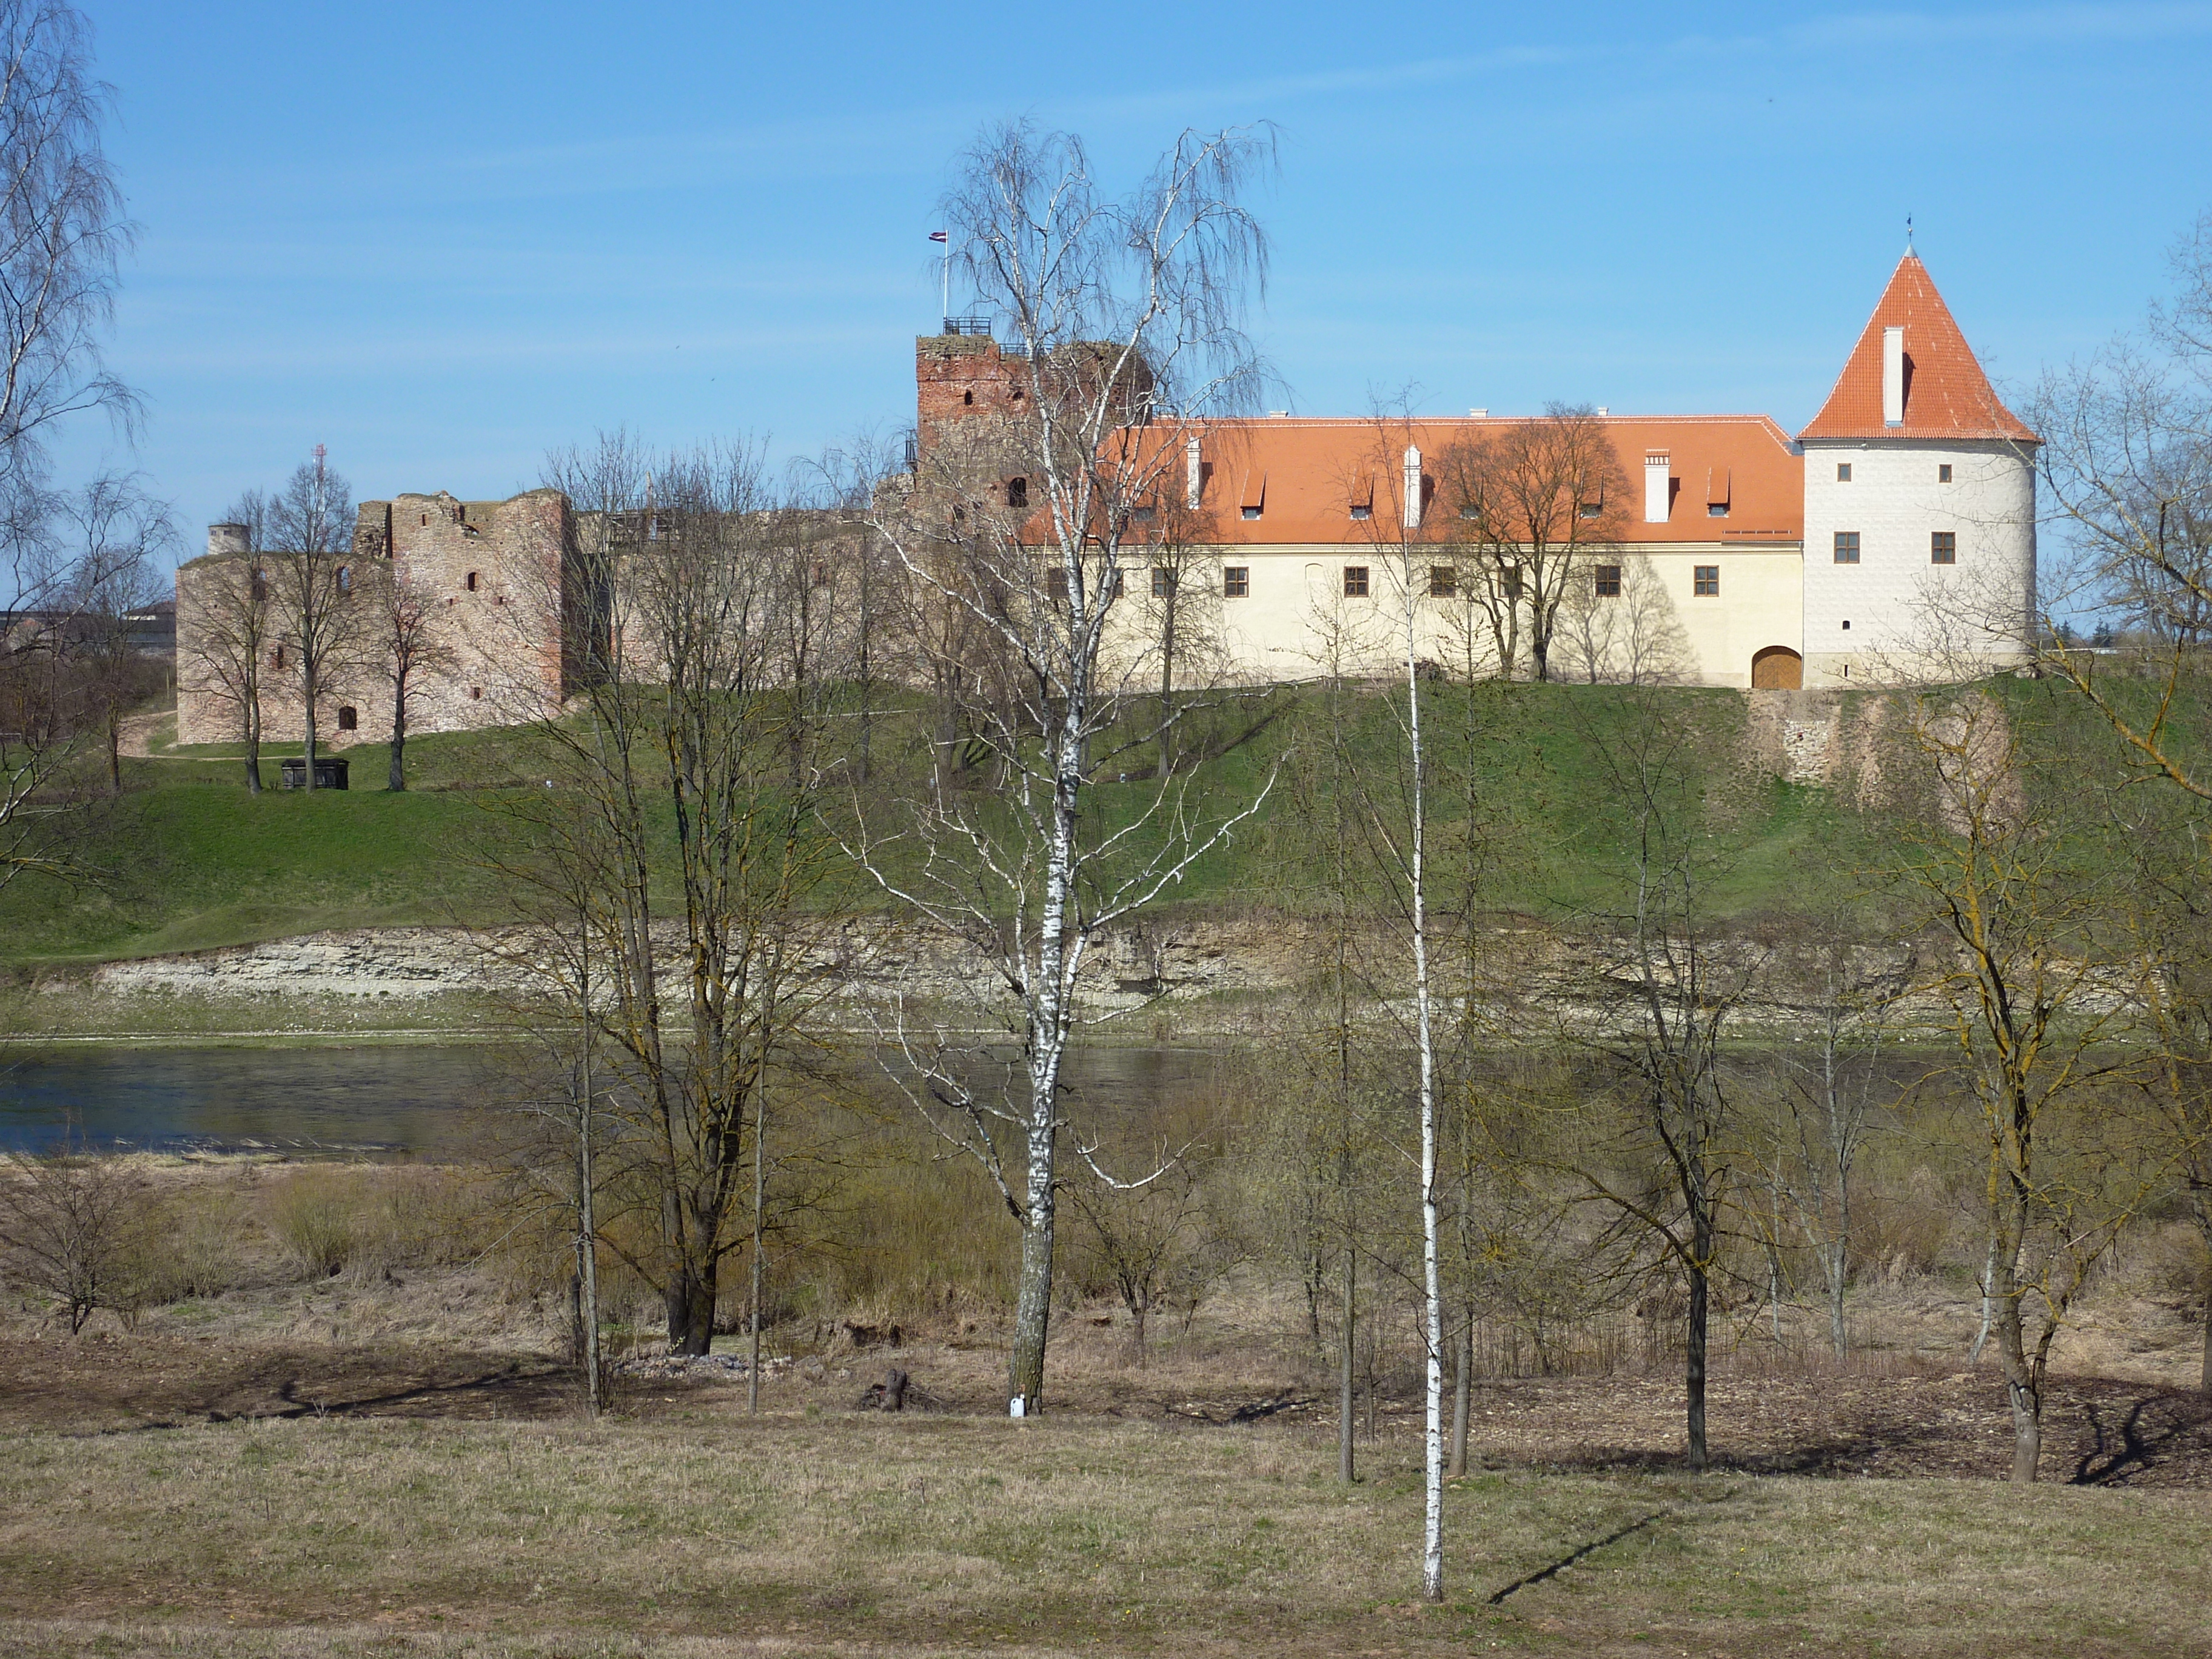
(1908, 233)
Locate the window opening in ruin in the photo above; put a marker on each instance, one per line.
(967, 398)
(348, 717)
(1355, 581)
(1235, 581)
(1943, 473)
(472, 583)
(1706, 581)
(345, 578)
(426, 517)
(476, 694)
(1847, 624)
(1843, 471)
(1018, 492)
(260, 586)
(1847, 547)
(1605, 582)
(1444, 581)
(1943, 547)
(277, 657)
(1017, 394)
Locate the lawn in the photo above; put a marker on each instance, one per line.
(185, 859)
(805, 1534)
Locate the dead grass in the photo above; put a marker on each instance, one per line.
(696, 1534)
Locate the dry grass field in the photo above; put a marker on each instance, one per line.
(355, 1436)
(698, 1532)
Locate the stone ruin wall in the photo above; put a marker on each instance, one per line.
(498, 642)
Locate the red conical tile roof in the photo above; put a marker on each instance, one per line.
(1945, 393)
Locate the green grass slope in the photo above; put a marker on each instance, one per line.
(1524, 789)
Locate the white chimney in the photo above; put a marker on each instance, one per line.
(1655, 480)
(1478, 414)
(1193, 476)
(1412, 488)
(1892, 377)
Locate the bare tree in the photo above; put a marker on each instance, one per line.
(2032, 991)
(117, 533)
(1675, 983)
(1535, 503)
(69, 1221)
(1123, 316)
(321, 627)
(227, 627)
(411, 643)
(1832, 1088)
(671, 885)
(62, 232)
(1400, 527)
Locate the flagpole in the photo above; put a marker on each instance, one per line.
(947, 310)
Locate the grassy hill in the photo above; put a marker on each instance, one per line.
(187, 859)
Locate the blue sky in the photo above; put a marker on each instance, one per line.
(439, 239)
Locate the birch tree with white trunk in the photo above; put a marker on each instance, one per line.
(1121, 319)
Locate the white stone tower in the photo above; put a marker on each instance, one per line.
(1919, 506)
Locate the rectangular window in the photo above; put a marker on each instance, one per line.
(1943, 547)
(1706, 581)
(1355, 581)
(1055, 586)
(1843, 471)
(1605, 582)
(1235, 581)
(1943, 473)
(1164, 581)
(1444, 581)
(1847, 547)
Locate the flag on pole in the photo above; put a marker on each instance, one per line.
(937, 236)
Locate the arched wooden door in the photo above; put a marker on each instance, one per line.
(1777, 668)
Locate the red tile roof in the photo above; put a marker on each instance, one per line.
(1313, 472)
(1945, 393)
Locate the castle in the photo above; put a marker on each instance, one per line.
(1739, 557)
(1894, 537)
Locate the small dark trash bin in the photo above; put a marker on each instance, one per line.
(330, 771)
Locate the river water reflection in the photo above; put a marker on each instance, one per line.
(327, 1099)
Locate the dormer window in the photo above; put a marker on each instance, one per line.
(1363, 498)
(1363, 511)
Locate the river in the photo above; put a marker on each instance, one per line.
(324, 1100)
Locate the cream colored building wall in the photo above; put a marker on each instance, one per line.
(1296, 623)
(1905, 615)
